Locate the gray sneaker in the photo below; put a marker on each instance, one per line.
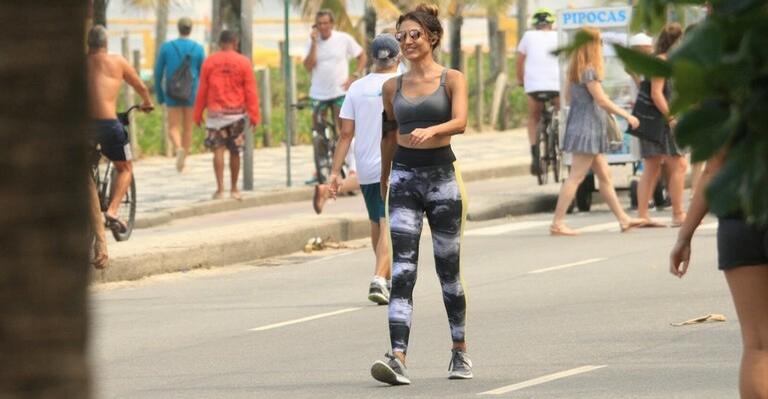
(391, 371)
(378, 292)
(460, 367)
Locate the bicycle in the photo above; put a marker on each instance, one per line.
(324, 136)
(548, 138)
(104, 175)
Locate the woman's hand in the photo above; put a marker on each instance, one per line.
(680, 257)
(334, 182)
(384, 189)
(634, 123)
(419, 136)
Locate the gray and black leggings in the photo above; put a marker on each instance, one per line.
(425, 181)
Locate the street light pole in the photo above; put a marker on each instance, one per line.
(246, 49)
(288, 95)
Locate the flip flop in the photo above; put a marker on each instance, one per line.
(115, 224)
(632, 224)
(651, 223)
(236, 196)
(562, 231)
(315, 199)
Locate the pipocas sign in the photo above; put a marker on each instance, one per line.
(596, 17)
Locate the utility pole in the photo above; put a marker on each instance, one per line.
(287, 75)
(246, 49)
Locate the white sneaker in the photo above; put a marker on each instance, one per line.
(378, 291)
(180, 157)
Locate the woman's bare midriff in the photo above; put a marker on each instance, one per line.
(403, 140)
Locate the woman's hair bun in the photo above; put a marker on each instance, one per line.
(431, 9)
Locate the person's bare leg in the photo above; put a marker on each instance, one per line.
(187, 126)
(234, 174)
(603, 173)
(100, 254)
(174, 125)
(676, 168)
(218, 170)
(122, 182)
(379, 239)
(580, 164)
(647, 184)
(534, 114)
(749, 289)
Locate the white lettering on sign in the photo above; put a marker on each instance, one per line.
(597, 17)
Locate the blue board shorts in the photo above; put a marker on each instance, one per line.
(373, 201)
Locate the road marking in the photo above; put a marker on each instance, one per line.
(541, 380)
(506, 228)
(302, 320)
(611, 226)
(567, 265)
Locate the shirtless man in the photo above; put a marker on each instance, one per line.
(106, 73)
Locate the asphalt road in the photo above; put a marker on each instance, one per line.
(548, 317)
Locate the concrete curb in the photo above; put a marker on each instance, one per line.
(296, 194)
(286, 239)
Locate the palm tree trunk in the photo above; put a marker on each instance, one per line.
(457, 19)
(100, 12)
(161, 25)
(44, 257)
(522, 18)
(370, 27)
(493, 44)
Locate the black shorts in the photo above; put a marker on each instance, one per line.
(113, 139)
(740, 244)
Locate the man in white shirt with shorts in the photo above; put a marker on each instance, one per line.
(538, 72)
(361, 120)
(327, 61)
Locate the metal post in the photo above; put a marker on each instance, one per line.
(288, 96)
(479, 109)
(246, 48)
(265, 100)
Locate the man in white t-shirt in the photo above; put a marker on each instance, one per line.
(361, 121)
(538, 72)
(327, 61)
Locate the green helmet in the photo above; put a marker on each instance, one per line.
(543, 15)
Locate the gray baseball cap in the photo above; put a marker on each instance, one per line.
(385, 47)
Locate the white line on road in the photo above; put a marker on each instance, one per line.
(541, 380)
(567, 265)
(310, 318)
(506, 228)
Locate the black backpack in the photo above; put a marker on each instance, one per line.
(179, 85)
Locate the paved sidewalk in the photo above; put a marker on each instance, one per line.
(164, 194)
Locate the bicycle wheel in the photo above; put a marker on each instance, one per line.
(127, 209)
(542, 144)
(322, 160)
(556, 155)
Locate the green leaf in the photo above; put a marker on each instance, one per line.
(735, 6)
(706, 129)
(579, 40)
(690, 85)
(643, 64)
(703, 45)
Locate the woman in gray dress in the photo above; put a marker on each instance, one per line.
(666, 152)
(585, 133)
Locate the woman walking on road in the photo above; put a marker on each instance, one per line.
(585, 133)
(666, 152)
(743, 256)
(423, 109)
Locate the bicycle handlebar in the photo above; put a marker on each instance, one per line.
(123, 116)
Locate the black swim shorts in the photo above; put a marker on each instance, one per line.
(114, 140)
(740, 244)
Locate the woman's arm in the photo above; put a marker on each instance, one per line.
(681, 252)
(388, 138)
(601, 99)
(457, 88)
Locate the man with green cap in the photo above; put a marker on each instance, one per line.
(177, 72)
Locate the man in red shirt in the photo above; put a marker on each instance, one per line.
(228, 91)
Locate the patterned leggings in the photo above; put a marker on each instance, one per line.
(438, 192)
